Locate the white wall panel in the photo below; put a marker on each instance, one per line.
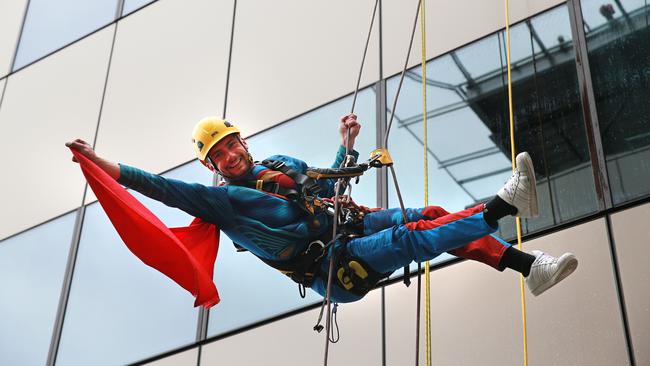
(467, 301)
(168, 71)
(632, 236)
(476, 316)
(293, 342)
(187, 358)
(450, 24)
(11, 18)
(290, 56)
(45, 105)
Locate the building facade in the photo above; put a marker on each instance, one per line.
(133, 76)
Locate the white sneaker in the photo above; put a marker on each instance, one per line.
(521, 189)
(547, 271)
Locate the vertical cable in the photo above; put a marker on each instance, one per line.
(328, 295)
(363, 58)
(427, 268)
(512, 157)
(232, 37)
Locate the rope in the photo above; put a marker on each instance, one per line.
(328, 297)
(512, 157)
(363, 58)
(407, 279)
(401, 79)
(427, 268)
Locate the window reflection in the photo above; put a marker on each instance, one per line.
(133, 5)
(468, 124)
(32, 266)
(120, 310)
(251, 291)
(618, 35)
(50, 25)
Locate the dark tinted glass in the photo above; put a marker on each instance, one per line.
(469, 141)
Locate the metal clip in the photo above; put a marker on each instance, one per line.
(380, 157)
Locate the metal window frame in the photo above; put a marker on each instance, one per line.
(589, 109)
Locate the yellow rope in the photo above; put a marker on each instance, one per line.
(427, 269)
(512, 157)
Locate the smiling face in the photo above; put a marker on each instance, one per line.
(230, 156)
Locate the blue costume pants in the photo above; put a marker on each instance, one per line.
(388, 244)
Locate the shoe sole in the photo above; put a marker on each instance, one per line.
(530, 169)
(566, 267)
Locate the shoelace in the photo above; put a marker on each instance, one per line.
(546, 259)
(511, 189)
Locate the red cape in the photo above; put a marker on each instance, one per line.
(184, 254)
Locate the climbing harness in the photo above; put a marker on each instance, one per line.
(304, 189)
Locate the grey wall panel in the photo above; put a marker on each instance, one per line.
(449, 25)
(579, 321)
(187, 358)
(476, 316)
(45, 105)
(290, 56)
(631, 235)
(11, 18)
(168, 71)
(292, 341)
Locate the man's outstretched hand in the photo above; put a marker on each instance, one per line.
(349, 122)
(83, 147)
(113, 169)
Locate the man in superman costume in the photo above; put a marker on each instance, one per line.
(277, 212)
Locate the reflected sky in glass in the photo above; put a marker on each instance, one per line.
(51, 25)
(132, 5)
(468, 129)
(32, 265)
(120, 310)
(250, 290)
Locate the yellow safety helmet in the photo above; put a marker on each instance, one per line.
(208, 132)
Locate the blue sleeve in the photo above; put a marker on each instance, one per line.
(327, 185)
(210, 204)
(340, 155)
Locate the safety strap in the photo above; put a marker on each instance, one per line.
(305, 266)
(308, 184)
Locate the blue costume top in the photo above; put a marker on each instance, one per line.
(268, 226)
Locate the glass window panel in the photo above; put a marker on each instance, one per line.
(480, 58)
(50, 25)
(551, 37)
(11, 18)
(469, 144)
(618, 37)
(32, 266)
(120, 310)
(133, 5)
(251, 291)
